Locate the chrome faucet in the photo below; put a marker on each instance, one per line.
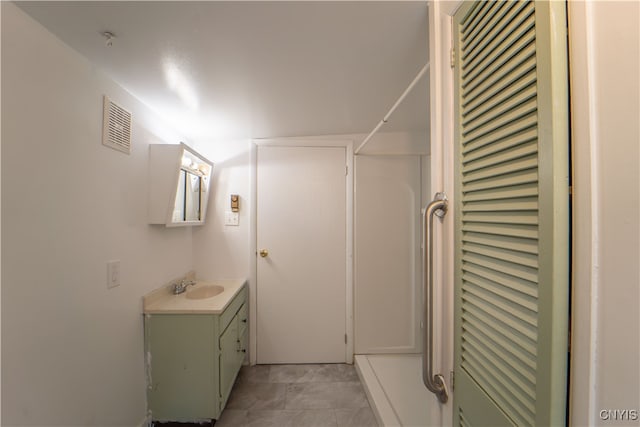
(181, 287)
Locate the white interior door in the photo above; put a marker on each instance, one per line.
(301, 260)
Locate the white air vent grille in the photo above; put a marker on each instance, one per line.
(116, 131)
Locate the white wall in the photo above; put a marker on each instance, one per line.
(223, 251)
(393, 143)
(72, 350)
(604, 51)
(220, 251)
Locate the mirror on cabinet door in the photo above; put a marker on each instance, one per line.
(179, 206)
(192, 197)
(186, 199)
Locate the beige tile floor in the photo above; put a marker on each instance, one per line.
(328, 395)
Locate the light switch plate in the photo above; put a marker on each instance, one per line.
(113, 273)
(231, 218)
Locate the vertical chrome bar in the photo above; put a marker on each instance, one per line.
(435, 383)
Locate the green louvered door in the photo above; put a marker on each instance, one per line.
(512, 213)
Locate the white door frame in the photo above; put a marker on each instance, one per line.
(442, 179)
(253, 233)
(594, 283)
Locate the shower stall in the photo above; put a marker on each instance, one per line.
(390, 327)
(394, 330)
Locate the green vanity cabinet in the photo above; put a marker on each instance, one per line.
(193, 360)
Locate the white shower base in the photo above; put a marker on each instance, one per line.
(393, 383)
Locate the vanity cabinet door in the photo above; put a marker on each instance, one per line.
(181, 369)
(233, 348)
(243, 320)
(243, 334)
(228, 359)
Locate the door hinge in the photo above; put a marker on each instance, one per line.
(452, 57)
(345, 338)
(346, 170)
(452, 380)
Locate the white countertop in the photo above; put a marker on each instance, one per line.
(164, 301)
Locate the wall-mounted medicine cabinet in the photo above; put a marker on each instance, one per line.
(178, 185)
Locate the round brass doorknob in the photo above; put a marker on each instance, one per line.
(264, 253)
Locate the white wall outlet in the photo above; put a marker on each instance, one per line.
(231, 218)
(113, 273)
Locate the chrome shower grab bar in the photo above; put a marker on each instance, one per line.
(435, 383)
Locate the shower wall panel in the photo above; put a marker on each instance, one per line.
(387, 297)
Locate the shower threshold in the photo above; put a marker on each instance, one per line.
(393, 384)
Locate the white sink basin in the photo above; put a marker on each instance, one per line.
(203, 292)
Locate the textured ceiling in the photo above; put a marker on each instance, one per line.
(256, 69)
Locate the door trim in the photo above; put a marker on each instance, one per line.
(442, 179)
(253, 233)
